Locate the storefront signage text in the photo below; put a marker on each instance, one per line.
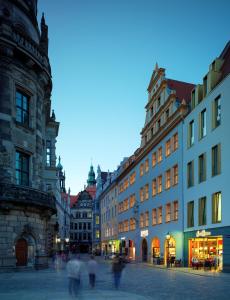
(144, 233)
(202, 233)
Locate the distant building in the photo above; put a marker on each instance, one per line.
(28, 132)
(81, 221)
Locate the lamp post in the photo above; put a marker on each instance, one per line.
(167, 256)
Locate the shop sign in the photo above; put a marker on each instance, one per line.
(144, 233)
(123, 238)
(202, 233)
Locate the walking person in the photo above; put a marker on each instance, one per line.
(74, 270)
(92, 269)
(117, 268)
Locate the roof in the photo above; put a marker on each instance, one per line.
(73, 199)
(183, 89)
(91, 190)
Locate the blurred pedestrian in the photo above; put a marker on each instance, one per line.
(92, 270)
(74, 270)
(117, 268)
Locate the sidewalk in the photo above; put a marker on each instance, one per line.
(189, 271)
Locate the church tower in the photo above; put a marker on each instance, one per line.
(91, 177)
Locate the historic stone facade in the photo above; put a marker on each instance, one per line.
(27, 136)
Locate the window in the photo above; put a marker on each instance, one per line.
(132, 178)
(126, 225)
(216, 112)
(141, 170)
(216, 208)
(216, 160)
(126, 204)
(22, 108)
(84, 226)
(97, 234)
(142, 194)
(80, 226)
(190, 214)
(159, 123)
(22, 168)
(205, 85)
(191, 133)
(89, 226)
(141, 220)
(167, 179)
(154, 159)
(168, 212)
(175, 142)
(159, 215)
(146, 192)
(175, 175)
(166, 114)
(132, 224)
(175, 210)
(146, 218)
(159, 184)
(132, 200)
(146, 165)
(202, 168)
(193, 103)
(154, 216)
(202, 124)
(202, 211)
(159, 156)
(48, 153)
(190, 174)
(158, 102)
(154, 187)
(75, 226)
(167, 148)
(97, 220)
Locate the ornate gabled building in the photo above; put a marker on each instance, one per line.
(28, 132)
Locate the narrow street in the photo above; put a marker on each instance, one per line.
(139, 282)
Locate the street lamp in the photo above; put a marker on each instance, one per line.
(167, 256)
(67, 240)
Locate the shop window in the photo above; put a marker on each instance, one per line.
(159, 184)
(22, 168)
(216, 112)
(167, 179)
(191, 133)
(167, 148)
(22, 108)
(216, 160)
(154, 187)
(190, 174)
(154, 216)
(159, 155)
(190, 214)
(175, 210)
(154, 159)
(202, 211)
(159, 215)
(216, 208)
(168, 212)
(202, 167)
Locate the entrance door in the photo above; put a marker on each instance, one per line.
(21, 252)
(144, 250)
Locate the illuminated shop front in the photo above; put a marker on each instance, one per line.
(206, 250)
(132, 250)
(114, 246)
(156, 248)
(170, 248)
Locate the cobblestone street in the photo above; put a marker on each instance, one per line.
(139, 282)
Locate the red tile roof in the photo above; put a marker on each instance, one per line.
(73, 199)
(183, 89)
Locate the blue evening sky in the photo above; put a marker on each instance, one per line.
(102, 54)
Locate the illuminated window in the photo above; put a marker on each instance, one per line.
(167, 148)
(154, 187)
(146, 218)
(141, 170)
(159, 184)
(159, 156)
(132, 200)
(159, 215)
(175, 210)
(48, 153)
(126, 204)
(142, 194)
(126, 225)
(97, 220)
(146, 192)
(168, 212)
(132, 178)
(154, 159)
(175, 142)
(216, 208)
(146, 165)
(167, 179)
(175, 174)
(154, 216)
(141, 220)
(132, 224)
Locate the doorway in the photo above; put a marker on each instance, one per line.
(144, 250)
(21, 250)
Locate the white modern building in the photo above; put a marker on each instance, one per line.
(206, 168)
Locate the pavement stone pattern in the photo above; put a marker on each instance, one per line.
(139, 282)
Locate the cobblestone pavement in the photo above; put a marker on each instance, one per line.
(139, 282)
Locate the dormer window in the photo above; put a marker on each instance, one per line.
(158, 102)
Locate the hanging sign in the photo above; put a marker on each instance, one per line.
(144, 233)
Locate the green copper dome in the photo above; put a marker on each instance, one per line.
(91, 177)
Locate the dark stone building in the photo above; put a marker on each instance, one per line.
(28, 134)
